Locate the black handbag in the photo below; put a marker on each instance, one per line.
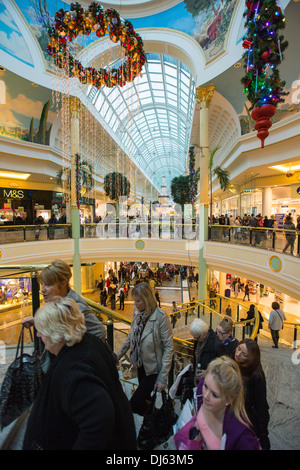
(21, 383)
(158, 423)
(165, 418)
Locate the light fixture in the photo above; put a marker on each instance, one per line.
(2, 69)
(237, 65)
(286, 168)
(34, 84)
(18, 176)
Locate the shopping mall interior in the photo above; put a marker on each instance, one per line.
(100, 157)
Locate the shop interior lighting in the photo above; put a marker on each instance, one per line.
(285, 169)
(18, 176)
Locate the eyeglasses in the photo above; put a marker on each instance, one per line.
(220, 333)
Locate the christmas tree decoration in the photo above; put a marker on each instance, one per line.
(78, 21)
(264, 47)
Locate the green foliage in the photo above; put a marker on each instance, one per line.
(85, 176)
(116, 185)
(180, 190)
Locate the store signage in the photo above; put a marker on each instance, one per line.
(13, 193)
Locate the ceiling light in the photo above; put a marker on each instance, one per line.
(237, 65)
(285, 169)
(2, 68)
(34, 84)
(18, 176)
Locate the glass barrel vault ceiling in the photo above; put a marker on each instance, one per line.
(152, 116)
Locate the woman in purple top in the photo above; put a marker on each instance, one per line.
(222, 419)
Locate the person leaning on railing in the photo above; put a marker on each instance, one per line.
(54, 281)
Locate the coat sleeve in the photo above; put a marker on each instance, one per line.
(166, 334)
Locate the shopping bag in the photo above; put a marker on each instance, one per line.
(187, 413)
(21, 383)
(182, 440)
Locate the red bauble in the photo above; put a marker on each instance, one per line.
(262, 115)
(266, 56)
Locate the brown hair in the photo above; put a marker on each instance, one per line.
(253, 363)
(55, 273)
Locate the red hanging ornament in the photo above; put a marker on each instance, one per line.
(247, 44)
(262, 115)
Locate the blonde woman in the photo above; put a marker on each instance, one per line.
(54, 280)
(221, 421)
(150, 342)
(81, 404)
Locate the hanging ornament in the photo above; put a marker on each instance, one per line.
(264, 19)
(262, 115)
(102, 22)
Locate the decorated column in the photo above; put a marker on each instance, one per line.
(204, 95)
(75, 178)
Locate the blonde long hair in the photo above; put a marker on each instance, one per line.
(227, 375)
(145, 292)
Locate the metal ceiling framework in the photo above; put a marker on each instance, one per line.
(152, 116)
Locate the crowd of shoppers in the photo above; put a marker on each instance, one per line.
(290, 225)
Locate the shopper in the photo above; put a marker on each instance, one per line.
(222, 422)
(276, 319)
(122, 299)
(247, 292)
(81, 404)
(54, 281)
(175, 315)
(289, 236)
(225, 335)
(150, 342)
(247, 356)
(207, 346)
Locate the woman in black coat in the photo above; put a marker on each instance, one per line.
(247, 355)
(81, 404)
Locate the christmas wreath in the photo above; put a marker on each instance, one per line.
(78, 21)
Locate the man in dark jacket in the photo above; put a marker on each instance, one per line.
(289, 236)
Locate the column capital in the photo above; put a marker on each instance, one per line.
(75, 105)
(204, 95)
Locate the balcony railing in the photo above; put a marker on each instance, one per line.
(266, 238)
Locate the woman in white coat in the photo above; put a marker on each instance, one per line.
(150, 341)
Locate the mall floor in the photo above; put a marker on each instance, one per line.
(280, 366)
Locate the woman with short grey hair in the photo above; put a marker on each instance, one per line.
(81, 404)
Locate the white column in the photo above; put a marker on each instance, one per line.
(267, 201)
(75, 216)
(203, 96)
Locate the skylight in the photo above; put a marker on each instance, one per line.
(152, 116)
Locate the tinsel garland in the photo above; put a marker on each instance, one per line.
(78, 180)
(78, 21)
(264, 52)
(192, 174)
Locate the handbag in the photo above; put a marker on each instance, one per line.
(165, 418)
(21, 383)
(158, 423)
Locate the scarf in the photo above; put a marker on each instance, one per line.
(135, 347)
